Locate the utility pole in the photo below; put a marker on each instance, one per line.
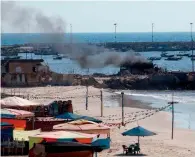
(122, 96)
(102, 107)
(115, 25)
(87, 89)
(152, 32)
(173, 115)
(192, 48)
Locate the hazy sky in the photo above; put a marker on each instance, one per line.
(130, 16)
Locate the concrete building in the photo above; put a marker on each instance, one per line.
(25, 72)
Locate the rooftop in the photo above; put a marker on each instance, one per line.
(21, 60)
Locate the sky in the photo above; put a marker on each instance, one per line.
(100, 16)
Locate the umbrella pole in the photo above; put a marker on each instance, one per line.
(138, 139)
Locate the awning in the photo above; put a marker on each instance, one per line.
(83, 126)
(13, 113)
(17, 102)
(72, 116)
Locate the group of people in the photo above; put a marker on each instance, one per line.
(132, 149)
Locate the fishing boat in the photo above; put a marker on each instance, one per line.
(166, 55)
(193, 58)
(12, 57)
(174, 58)
(154, 58)
(191, 55)
(183, 54)
(57, 58)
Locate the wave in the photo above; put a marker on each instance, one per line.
(179, 97)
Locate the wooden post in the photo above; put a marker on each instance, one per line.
(102, 107)
(87, 89)
(33, 123)
(122, 96)
(87, 97)
(173, 116)
(189, 126)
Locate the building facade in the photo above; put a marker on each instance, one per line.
(24, 72)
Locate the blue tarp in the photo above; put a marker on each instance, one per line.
(6, 133)
(6, 124)
(138, 131)
(7, 116)
(73, 116)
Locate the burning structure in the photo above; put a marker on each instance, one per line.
(138, 67)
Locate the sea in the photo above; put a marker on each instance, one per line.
(184, 109)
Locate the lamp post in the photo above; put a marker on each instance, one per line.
(71, 38)
(191, 24)
(115, 25)
(152, 32)
(70, 33)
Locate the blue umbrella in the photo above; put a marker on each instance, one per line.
(138, 131)
(73, 116)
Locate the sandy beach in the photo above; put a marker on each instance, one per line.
(160, 145)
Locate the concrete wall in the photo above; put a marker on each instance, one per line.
(24, 67)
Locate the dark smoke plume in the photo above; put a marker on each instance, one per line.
(88, 56)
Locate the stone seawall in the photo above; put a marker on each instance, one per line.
(151, 46)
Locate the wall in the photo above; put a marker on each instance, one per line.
(26, 67)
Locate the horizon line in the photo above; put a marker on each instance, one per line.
(91, 32)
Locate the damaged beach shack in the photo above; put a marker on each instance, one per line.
(24, 72)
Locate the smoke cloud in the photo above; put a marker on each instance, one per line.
(88, 56)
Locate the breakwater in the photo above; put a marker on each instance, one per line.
(151, 46)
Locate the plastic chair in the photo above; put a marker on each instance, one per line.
(136, 148)
(125, 149)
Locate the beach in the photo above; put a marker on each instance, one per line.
(159, 145)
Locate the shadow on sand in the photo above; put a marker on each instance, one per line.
(132, 155)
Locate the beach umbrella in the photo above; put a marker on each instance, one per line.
(73, 116)
(138, 131)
